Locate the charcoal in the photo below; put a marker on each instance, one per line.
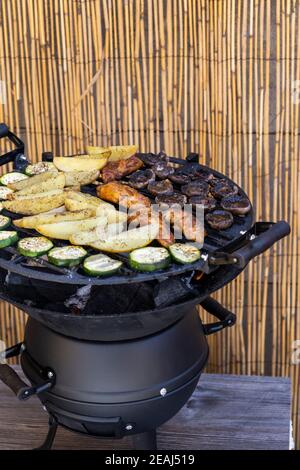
(173, 290)
(112, 300)
(78, 301)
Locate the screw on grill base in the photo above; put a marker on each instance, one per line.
(129, 427)
(163, 391)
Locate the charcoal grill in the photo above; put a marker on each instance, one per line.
(119, 356)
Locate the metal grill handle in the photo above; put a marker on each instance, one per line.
(3, 130)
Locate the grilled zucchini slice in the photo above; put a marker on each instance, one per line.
(184, 253)
(67, 255)
(4, 222)
(12, 177)
(101, 265)
(8, 238)
(149, 259)
(34, 246)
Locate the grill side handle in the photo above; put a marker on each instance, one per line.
(258, 239)
(260, 243)
(3, 130)
(10, 378)
(226, 317)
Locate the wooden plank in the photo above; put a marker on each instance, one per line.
(225, 412)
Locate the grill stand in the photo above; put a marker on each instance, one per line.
(143, 441)
(145, 437)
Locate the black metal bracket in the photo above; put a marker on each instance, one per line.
(226, 317)
(9, 377)
(17, 155)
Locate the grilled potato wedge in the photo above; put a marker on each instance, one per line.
(88, 200)
(41, 219)
(36, 203)
(104, 152)
(68, 164)
(89, 236)
(56, 182)
(33, 180)
(129, 240)
(118, 152)
(64, 230)
(74, 178)
(112, 214)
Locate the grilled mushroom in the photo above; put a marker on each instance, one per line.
(180, 178)
(219, 219)
(160, 187)
(151, 159)
(208, 202)
(215, 180)
(176, 198)
(195, 188)
(236, 204)
(141, 178)
(203, 174)
(223, 188)
(162, 169)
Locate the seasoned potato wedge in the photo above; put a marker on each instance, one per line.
(89, 236)
(118, 152)
(104, 153)
(56, 182)
(36, 203)
(64, 230)
(33, 180)
(41, 219)
(74, 178)
(89, 199)
(128, 240)
(68, 164)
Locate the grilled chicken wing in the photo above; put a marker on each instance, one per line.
(117, 170)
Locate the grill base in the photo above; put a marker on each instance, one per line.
(120, 388)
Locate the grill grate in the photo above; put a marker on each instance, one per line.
(40, 268)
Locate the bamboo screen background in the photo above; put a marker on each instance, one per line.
(215, 77)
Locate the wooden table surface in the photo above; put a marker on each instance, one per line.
(225, 412)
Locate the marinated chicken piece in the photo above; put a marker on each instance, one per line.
(140, 218)
(141, 178)
(176, 198)
(162, 169)
(186, 223)
(151, 159)
(223, 189)
(122, 194)
(114, 171)
(208, 202)
(219, 219)
(195, 188)
(161, 187)
(238, 205)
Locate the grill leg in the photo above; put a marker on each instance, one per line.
(145, 441)
(47, 444)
